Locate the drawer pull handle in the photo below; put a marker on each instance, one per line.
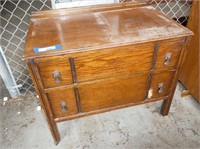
(63, 106)
(160, 87)
(167, 58)
(56, 75)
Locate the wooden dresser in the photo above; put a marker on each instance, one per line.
(107, 57)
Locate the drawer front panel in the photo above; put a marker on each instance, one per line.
(62, 102)
(112, 62)
(112, 92)
(55, 71)
(161, 84)
(168, 55)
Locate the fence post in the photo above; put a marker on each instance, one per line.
(7, 76)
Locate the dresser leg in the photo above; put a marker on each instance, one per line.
(166, 106)
(167, 102)
(56, 141)
(56, 135)
(33, 69)
(53, 128)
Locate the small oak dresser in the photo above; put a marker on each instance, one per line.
(90, 60)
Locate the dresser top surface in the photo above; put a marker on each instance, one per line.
(81, 30)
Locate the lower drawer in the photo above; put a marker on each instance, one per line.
(112, 92)
(62, 102)
(161, 84)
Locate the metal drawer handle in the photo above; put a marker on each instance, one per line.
(63, 106)
(56, 74)
(160, 87)
(167, 58)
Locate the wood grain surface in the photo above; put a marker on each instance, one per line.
(171, 48)
(51, 64)
(113, 62)
(112, 92)
(66, 96)
(189, 74)
(164, 77)
(97, 30)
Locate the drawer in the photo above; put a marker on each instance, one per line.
(112, 92)
(168, 55)
(112, 62)
(54, 71)
(161, 84)
(62, 102)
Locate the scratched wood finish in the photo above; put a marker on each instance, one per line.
(89, 9)
(108, 62)
(112, 92)
(101, 29)
(111, 57)
(189, 74)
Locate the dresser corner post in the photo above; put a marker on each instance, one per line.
(56, 141)
(167, 102)
(165, 107)
(46, 111)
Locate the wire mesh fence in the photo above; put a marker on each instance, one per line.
(15, 17)
(16, 14)
(175, 9)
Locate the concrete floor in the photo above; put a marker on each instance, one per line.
(3, 90)
(137, 127)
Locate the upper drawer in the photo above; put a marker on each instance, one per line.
(54, 71)
(111, 62)
(168, 55)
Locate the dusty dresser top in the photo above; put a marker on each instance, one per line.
(90, 28)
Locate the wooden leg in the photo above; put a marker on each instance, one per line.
(44, 102)
(52, 126)
(51, 123)
(167, 103)
(55, 133)
(57, 139)
(166, 106)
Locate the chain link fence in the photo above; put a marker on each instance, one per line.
(175, 9)
(16, 14)
(15, 17)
